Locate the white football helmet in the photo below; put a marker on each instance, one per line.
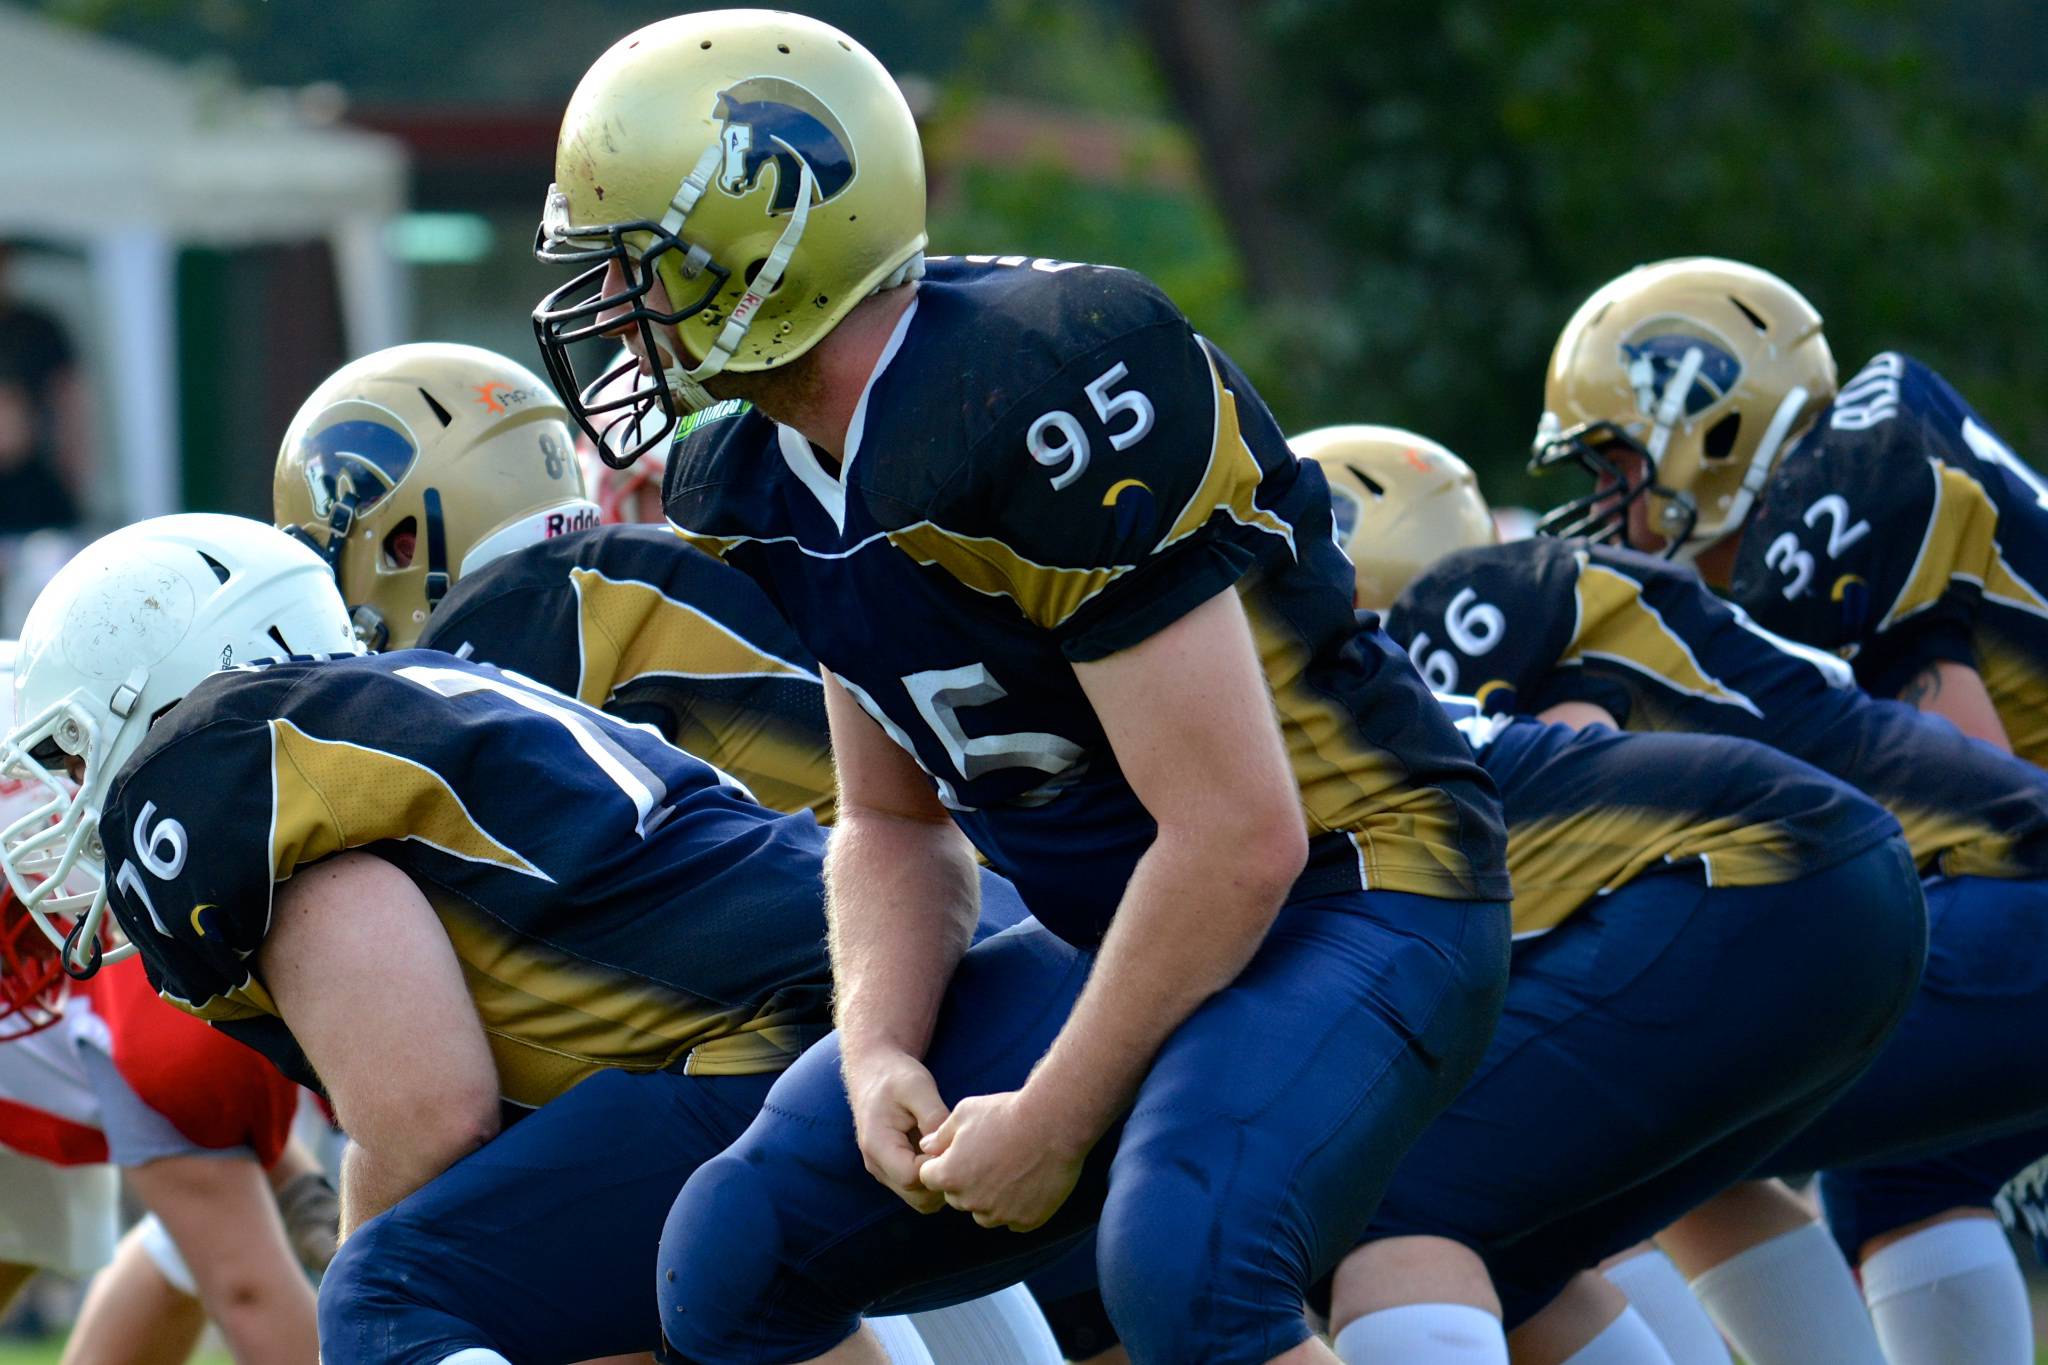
(123, 631)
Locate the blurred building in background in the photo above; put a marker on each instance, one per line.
(1385, 212)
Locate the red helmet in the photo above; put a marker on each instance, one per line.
(33, 986)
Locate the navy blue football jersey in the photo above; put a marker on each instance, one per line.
(1899, 530)
(1049, 466)
(1590, 811)
(630, 619)
(614, 901)
(1532, 623)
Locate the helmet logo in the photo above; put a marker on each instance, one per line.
(502, 398)
(770, 119)
(1653, 361)
(1344, 510)
(362, 453)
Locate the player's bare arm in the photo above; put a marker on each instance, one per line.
(902, 898)
(224, 1220)
(1956, 692)
(1189, 716)
(363, 973)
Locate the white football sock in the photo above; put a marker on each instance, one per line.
(1950, 1292)
(1627, 1340)
(1791, 1301)
(1424, 1334)
(1656, 1290)
(475, 1355)
(900, 1339)
(1002, 1329)
(163, 1252)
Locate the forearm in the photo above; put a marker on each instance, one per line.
(1194, 913)
(902, 897)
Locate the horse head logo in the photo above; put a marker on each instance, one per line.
(770, 119)
(1658, 350)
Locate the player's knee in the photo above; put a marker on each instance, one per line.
(1157, 1257)
(708, 1282)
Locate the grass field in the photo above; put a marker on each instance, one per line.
(14, 1352)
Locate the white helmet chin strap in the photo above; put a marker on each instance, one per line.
(1671, 403)
(1753, 479)
(687, 384)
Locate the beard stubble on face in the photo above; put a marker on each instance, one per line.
(783, 393)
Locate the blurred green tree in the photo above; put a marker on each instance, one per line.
(1473, 169)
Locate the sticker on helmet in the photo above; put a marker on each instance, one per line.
(496, 397)
(362, 456)
(767, 119)
(1653, 354)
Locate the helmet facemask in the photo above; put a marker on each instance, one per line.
(51, 855)
(1602, 514)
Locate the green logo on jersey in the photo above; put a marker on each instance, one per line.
(717, 412)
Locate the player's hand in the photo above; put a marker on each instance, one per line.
(895, 1102)
(994, 1159)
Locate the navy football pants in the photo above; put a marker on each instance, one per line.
(538, 1244)
(1946, 1115)
(1654, 1046)
(1251, 1160)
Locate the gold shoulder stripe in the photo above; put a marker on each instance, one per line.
(2002, 584)
(1960, 540)
(1617, 625)
(715, 546)
(631, 629)
(329, 795)
(1230, 479)
(1048, 595)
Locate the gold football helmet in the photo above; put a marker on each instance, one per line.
(1398, 501)
(762, 167)
(417, 464)
(1703, 368)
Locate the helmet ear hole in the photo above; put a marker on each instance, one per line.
(1720, 437)
(755, 269)
(400, 544)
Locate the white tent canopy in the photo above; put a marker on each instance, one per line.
(131, 157)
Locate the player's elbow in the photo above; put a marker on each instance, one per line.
(418, 1143)
(471, 1119)
(1274, 847)
(1260, 846)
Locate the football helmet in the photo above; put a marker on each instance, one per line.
(1398, 503)
(1703, 368)
(417, 464)
(762, 167)
(127, 628)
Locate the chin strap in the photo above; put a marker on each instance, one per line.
(1768, 448)
(1671, 404)
(1767, 451)
(687, 383)
(437, 550)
